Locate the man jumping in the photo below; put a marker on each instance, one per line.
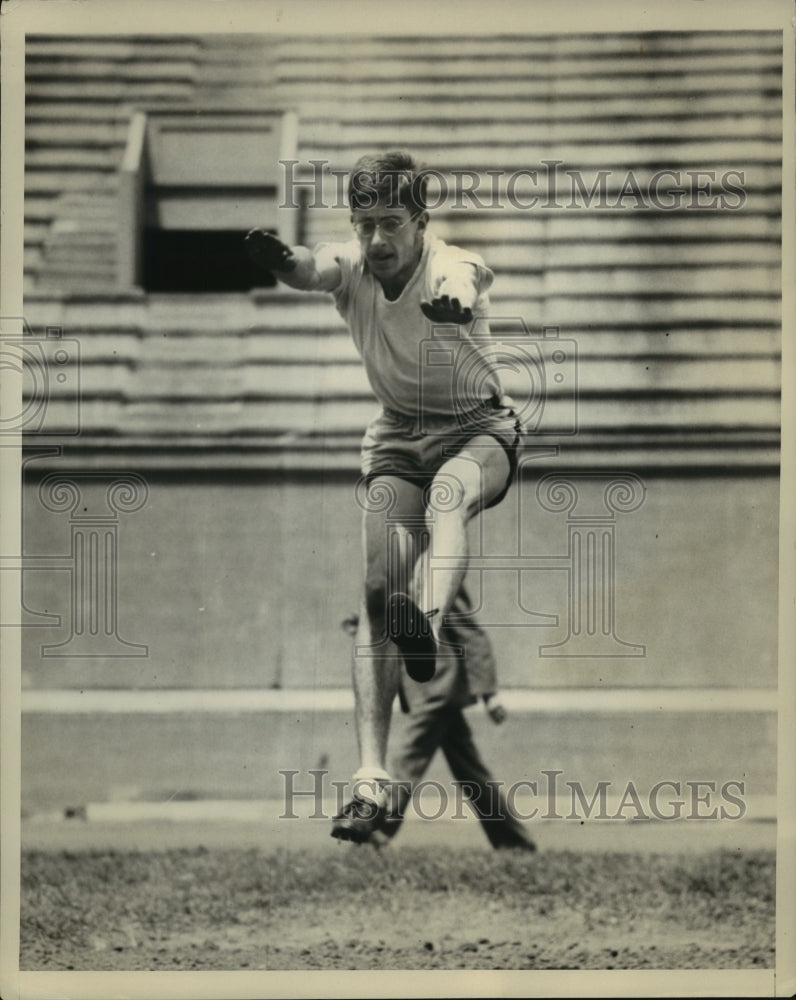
(437, 436)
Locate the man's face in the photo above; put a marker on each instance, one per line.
(392, 255)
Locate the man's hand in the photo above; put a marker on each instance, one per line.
(269, 252)
(495, 708)
(446, 310)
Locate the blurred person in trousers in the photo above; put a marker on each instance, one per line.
(436, 720)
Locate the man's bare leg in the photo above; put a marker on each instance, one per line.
(375, 677)
(390, 550)
(469, 481)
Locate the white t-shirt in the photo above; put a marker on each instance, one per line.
(413, 365)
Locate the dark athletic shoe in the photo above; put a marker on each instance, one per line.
(358, 820)
(410, 630)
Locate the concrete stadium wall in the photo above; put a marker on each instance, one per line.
(242, 582)
(70, 760)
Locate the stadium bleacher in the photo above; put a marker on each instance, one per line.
(675, 313)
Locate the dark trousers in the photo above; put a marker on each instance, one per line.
(445, 728)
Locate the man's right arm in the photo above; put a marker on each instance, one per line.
(297, 266)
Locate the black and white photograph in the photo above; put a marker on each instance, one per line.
(397, 544)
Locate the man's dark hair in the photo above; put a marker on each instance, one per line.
(394, 179)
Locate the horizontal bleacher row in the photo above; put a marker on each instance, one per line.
(674, 312)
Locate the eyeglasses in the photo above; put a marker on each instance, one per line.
(389, 226)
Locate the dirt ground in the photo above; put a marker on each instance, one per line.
(411, 907)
